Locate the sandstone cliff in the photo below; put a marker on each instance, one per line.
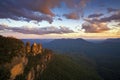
(22, 62)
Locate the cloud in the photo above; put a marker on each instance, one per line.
(96, 27)
(22, 10)
(95, 15)
(72, 16)
(25, 9)
(83, 3)
(115, 17)
(117, 25)
(112, 10)
(78, 11)
(38, 31)
(60, 19)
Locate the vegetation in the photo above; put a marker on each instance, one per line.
(63, 67)
(106, 54)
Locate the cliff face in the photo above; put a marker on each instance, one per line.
(18, 65)
(22, 62)
(37, 64)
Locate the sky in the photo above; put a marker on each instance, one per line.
(53, 19)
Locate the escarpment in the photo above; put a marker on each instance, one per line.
(22, 62)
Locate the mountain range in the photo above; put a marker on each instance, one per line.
(104, 53)
(71, 59)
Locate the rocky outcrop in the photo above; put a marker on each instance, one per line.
(16, 70)
(29, 67)
(34, 49)
(42, 62)
(23, 62)
(40, 48)
(28, 48)
(31, 74)
(16, 66)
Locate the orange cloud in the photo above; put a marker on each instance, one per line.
(46, 10)
(37, 31)
(47, 5)
(95, 27)
(83, 3)
(72, 16)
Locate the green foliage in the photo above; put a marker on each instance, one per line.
(106, 54)
(63, 67)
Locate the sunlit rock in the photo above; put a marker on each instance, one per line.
(16, 70)
(28, 47)
(38, 68)
(34, 49)
(31, 74)
(17, 66)
(39, 48)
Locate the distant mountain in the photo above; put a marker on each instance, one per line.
(112, 40)
(72, 41)
(42, 41)
(18, 64)
(106, 54)
(80, 60)
(67, 45)
(95, 40)
(81, 45)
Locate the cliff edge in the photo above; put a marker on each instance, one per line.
(22, 62)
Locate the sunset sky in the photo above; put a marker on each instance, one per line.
(51, 19)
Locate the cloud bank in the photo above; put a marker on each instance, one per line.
(96, 23)
(36, 9)
(95, 15)
(38, 31)
(95, 27)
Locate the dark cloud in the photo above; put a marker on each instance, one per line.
(38, 31)
(21, 10)
(25, 9)
(78, 6)
(115, 17)
(95, 15)
(72, 16)
(112, 10)
(94, 27)
(60, 19)
(117, 25)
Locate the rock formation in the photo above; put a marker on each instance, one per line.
(28, 47)
(23, 62)
(31, 74)
(17, 66)
(34, 49)
(39, 48)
